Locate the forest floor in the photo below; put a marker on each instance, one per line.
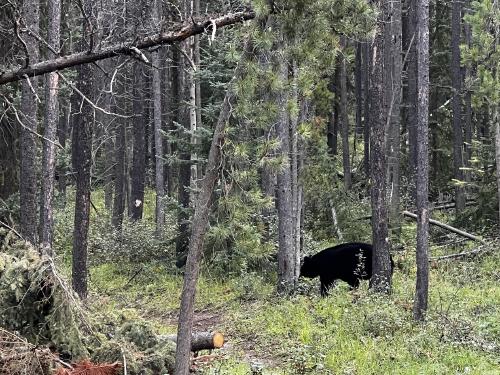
(346, 333)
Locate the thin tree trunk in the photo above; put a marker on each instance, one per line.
(120, 172)
(138, 173)
(187, 119)
(82, 165)
(50, 132)
(199, 228)
(157, 11)
(286, 255)
(294, 158)
(468, 101)
(456, 82)
(29, 108)
(366, 109)
(345, 120)
(422, 284)
(395, 126)
(381, 265)
(411, 105)
(63, 131)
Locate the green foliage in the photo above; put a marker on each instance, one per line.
(35, 301)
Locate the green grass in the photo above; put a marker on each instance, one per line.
(346, 333)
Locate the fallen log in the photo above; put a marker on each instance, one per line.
(201, 340)
(447, 227)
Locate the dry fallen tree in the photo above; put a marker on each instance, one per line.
(18, 356)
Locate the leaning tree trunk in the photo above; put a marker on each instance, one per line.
(29, 107)
(456, 82)
(50, 133)
(422, 285)
(199, 228)
(381, 265)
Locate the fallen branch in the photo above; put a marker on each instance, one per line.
(182, 32)
(462, 255)
(447, 227)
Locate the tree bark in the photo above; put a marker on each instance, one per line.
(138, 173)
(411, 105)
(82, 164)
(126, 48)
(366, 109)
(50, 132)
(422, 284)
(120, 171)
(456, 82)
(381, 265)
(286, 256)
(395, 121)
(158, 136)
(344, 119)
(29, 108)
(199, 228)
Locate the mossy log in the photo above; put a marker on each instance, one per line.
(201, 340)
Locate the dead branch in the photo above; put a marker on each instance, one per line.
(464, 254)
(181, 32)
(447, 227)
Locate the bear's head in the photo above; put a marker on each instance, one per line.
(308, 269)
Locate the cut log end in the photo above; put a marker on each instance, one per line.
(202, 340)
(218, 340)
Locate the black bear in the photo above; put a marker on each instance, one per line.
(350, 262)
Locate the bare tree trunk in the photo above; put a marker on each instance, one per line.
(82, 165)
(197, 88)
(294, 158)
(138, 173)
(29, 108)
(422, 284)
(366, 109)
(456, 82)
(199, 228)
(358, 73)
(120, 173)
(395, 121)
(63, 130)
(344, 119)
(159, 165)
(50, 132)
(187, 116)
(286, 256)
(381, 265)
(411, 105)
(467, 101)
(333, 118)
